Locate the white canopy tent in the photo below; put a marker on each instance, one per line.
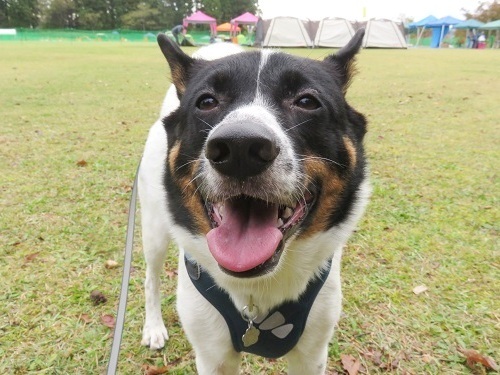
(333, 32)
(287, 32)
(381, 33)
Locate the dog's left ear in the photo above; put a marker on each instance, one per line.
(344, 59)
(178, 61)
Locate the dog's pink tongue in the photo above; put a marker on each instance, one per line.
(247, 236)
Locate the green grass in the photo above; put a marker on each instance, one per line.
(433, 145)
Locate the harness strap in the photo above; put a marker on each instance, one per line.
(278, 331)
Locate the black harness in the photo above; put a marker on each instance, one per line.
(278, 331)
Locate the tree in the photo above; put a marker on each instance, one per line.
(115, 14)
(118, 8)
(486, 11)
(90, 14)
(145, 17)
(59, 14)
(212, 8)
(157, 14)
(233, 8)
(225, 10)
(19, 13)
(4, 17)
(103, 14)
(175, 11)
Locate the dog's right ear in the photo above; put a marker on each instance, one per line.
(178, 61)
(345, 57)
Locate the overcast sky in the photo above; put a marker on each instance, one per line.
(353, 9)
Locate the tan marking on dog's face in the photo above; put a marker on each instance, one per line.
(326, 202)
(172, 157)
(186, 184)
(177, 75)
(351, 151)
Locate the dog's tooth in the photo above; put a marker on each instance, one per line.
(279, 223)
(221, 211)
(287, 213)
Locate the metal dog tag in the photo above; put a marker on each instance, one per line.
(251, 335)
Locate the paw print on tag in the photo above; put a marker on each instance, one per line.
(274, 323)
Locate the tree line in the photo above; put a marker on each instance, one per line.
(114, 14)
(486, 11)
(144, 14)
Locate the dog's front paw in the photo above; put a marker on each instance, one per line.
(154, 336)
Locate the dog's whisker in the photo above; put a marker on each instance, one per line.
(308, 157)
(189, 162)
(199, 187)
(210, 287)
(206, 123)
(191, 181)
(300, 123)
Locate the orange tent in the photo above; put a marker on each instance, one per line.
(226, 27)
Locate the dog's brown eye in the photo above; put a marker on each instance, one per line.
(207, 102)
(307, 102)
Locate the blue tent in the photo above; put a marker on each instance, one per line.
(471, 25)
(420, 26)
(494, 25)
(422, 22)
(440, 28)
(468, 24)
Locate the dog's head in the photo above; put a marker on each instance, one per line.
(263, 152)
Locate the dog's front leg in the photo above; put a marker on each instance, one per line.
(155, 240)
(311, 353)
(312, 363)
(223, 364)
(154, 332)
(206, 329)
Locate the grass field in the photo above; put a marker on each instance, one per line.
(74, 117)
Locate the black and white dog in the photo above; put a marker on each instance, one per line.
(256, 171)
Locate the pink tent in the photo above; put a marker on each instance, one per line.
(200, 17)
(244, 19)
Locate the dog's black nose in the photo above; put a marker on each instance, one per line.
(242, 150)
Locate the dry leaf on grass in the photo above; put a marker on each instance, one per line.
(393, 365)
(108, 320)
(427, 358)
(420, 289)
(85, 318)
(97, 297)
(30, 257)
(375, 356)
(81, 163)
(110, 264)
(154, 370)
(350, 364)
(170, 274)
(382, 361)
(474, 357)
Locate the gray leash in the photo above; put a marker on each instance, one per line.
(127, 265)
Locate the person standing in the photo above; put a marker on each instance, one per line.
(474, 39)
(481, 41)
(176, 31)
(469, 38)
